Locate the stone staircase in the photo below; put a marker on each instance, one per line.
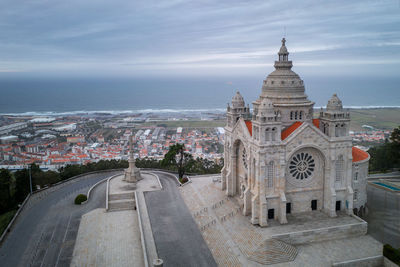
(123, 201)
(274, 251)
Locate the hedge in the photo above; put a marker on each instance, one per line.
(80, 198)
(391, 253)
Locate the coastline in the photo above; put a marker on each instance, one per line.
(164, 111)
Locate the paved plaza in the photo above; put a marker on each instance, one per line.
(108, 239)
(113, 238)
(234, 241)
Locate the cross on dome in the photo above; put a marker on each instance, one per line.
(283, 52)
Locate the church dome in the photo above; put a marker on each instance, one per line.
(283, 84)
(237, 100)
(334, 104)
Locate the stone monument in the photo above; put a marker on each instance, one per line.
(132, 174)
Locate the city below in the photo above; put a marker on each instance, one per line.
(56, 141)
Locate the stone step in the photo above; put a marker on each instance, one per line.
(119, 209)
(130, 195)
(274, 251)
(121, 204)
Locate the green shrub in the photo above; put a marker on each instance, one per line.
(391, 253)
(183, 180)
(80, 198)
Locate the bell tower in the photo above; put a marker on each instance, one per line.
(237, 110)
(334, 121)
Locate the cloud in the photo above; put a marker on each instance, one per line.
(208, 36)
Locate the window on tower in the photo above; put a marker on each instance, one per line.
(339, 165)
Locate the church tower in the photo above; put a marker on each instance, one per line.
(334, 121)
(266, 123)
(237, 110)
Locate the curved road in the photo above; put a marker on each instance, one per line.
(45, 232)
(178, 240)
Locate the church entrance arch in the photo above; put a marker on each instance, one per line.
(305, 177)
(240, 168)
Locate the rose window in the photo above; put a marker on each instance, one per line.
(244, 158)
(301, 166)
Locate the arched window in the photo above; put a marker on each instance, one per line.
(291, 115)
(273, 133)
(301, 115)
(270, 174)
(339, 166)
(267, 134)
(337, 130)
(295, 115)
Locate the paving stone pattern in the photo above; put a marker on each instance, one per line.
(108, 239)
(234, 241)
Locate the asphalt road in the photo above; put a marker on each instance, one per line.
(178, 240)
(46, 230)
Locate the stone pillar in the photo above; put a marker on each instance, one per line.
(332, 206)
(349, 185)
(231, 178)
(132, 174)
(223, 178)
(282, 209)
(263, 221)
(254, 210)
(331, 183)
(247, 202)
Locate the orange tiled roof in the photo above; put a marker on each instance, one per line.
(249, 125)
(316, 122)
(289, 130)
(358, 154)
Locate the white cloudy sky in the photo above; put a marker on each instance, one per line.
(179, 37)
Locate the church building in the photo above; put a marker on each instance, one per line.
(281, 160)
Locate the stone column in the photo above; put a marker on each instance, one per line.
(255, 209)
(282, 209)
(231, 179)
(247, 202)
(263, 221)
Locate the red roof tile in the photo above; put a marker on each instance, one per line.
(249, 125)
(288, 131)
(358, 154)
(316, 122)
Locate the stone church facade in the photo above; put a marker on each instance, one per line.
(281, 160)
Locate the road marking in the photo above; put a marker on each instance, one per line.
(51, 239)
(65, 236)
(66, 230)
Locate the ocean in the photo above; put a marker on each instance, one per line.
(154, 94)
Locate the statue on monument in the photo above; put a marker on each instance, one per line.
(132, 174)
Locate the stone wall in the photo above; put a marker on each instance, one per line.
(360, 183)
(323, 234)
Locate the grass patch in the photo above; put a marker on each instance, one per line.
(380, 118)
(5, 219)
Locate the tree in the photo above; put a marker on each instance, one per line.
(395, 138)
(5, 194)
(22, 186)
(178, 158)
(387, 156)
